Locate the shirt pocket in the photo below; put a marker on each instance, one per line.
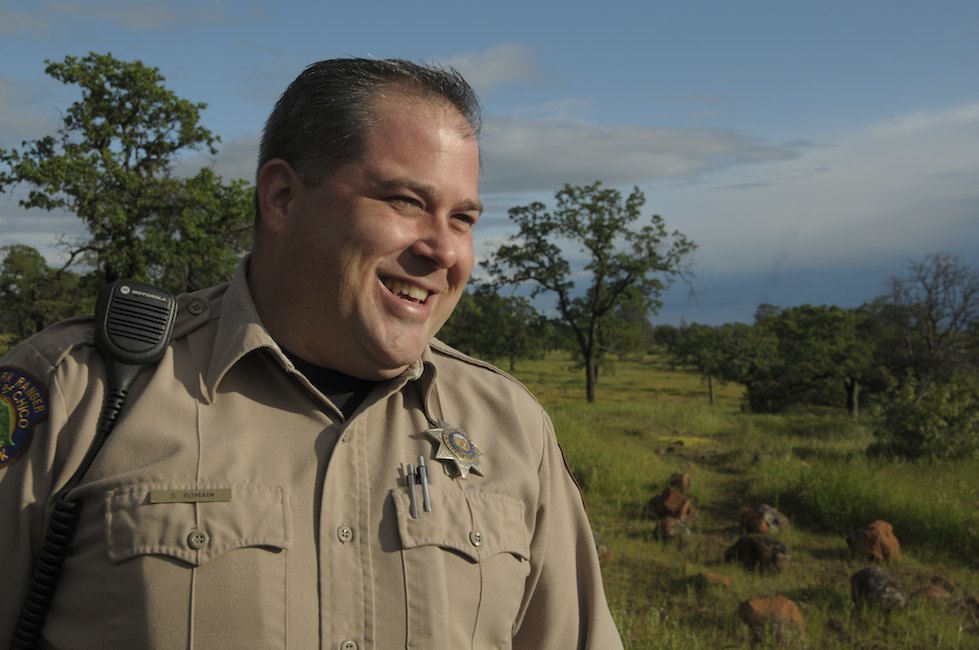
(465, 566)
(204, 573)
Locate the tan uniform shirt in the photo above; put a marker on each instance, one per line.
(234, 507)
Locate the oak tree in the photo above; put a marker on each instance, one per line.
(33, 295)
(822, 358)
(112, 164)
(492, 326)
(623, 260)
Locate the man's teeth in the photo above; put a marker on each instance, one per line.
(401, 288)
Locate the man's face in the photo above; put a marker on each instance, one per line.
(376, 257)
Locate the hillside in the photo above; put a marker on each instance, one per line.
(651, 423)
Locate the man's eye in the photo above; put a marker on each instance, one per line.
(466, 219)
(405, 201)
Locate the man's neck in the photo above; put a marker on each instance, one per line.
(345, 391)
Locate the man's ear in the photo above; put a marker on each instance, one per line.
(277, 187)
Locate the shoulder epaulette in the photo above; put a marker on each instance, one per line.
(447, 350)
(55, 342)
(197, 308)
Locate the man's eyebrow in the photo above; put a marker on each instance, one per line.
(423, 189)
(475, 206)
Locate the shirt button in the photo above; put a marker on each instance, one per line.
(196, 307)
(345, 534)
(348, 645)
(197, 539)
(476, 538)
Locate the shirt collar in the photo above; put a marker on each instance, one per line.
(240, 331)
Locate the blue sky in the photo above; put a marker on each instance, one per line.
(810, 149)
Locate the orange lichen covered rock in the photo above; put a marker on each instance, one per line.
(875, 542)
(778, 613)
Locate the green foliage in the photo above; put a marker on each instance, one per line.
(664, 337)
(627, 264)
(488, 325)
(922, 419)
(111, 164)
(33, 295)
(748, 353)
(627, 332)
(926, 329)
(734, 352)
(820, 358)
(211, 229)
(702, 348)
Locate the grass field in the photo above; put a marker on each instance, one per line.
(650, 422)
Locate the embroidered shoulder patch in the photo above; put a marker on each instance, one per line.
(23, 404)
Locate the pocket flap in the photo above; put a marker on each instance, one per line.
(476, 524)
(255, 515)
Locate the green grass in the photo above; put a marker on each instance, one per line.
(930, 503)
(651, 421)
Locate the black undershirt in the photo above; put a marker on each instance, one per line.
(345, 391)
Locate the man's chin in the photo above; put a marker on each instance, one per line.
(388, 361)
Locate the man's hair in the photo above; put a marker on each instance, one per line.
(323, 118)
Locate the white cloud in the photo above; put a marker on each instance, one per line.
(37, 228)
(568, 109)
(896, 190)
(804, 222)
(536, 156)
(927, 123)
(497, 66)
(236, 159)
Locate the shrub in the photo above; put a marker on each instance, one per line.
(938, 420)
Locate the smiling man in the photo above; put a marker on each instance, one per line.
(307, 467)
(359, 271)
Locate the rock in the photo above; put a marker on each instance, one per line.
(672, 503)
(971, 604)
(777, 615)
(753, 522)
(762, 520)
(680, 482)
(944, 583)
(759, 552)
(703, 582)
(932, 594)
(874, 588)
(875, 542)
(671, 529)
(777, 522)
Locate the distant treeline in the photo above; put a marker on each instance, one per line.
(911, 354)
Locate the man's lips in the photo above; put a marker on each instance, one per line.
(406, 290)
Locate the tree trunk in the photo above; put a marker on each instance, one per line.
(853, 398)
(710, 389)
(591, 377)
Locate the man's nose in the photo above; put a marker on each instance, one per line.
(438, 243)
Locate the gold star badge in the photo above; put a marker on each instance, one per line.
(456, 447)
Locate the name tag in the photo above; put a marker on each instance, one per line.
(190, 496)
